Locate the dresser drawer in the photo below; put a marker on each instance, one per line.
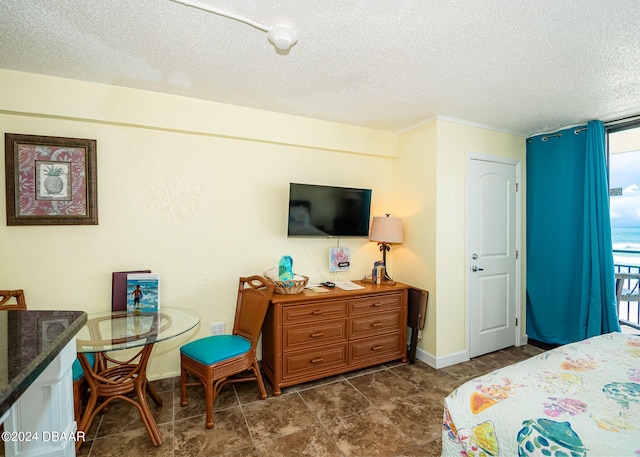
(307, 362)
(374, 324)
(313, 333)
(383, 347)
(375, 304)
(296, 314)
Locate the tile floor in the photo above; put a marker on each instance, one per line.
(389, 410)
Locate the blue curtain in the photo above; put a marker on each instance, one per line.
(570, 274)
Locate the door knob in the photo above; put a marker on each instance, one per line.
(476, 268)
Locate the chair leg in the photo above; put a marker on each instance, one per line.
(210, 393)
(80, 394)
(77, 400)
(183, 387)
(414, 345)
(209, 397)
(256, 371)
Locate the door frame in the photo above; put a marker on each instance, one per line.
(519, 338)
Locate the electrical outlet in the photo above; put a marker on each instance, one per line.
(217, 328)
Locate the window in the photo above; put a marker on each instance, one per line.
(624, 191)
(624, 185)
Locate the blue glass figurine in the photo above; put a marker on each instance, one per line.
(285, 270)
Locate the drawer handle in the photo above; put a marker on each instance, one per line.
(318, 360)
(316, 312)
(377, 324)
(316, 335)
(377, 348)
(375, 305)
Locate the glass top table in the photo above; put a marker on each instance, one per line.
(110, 378)
(113, 331)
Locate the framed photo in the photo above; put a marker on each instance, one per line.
(339, 259)
(50, 180)
(49, 329)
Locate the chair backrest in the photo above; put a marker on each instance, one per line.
(12, 299)
(254, 293)
(417, 301)
(627, 287)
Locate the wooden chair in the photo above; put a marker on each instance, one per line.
(417, 301)
(79, 382)
(627, 290)
(213, 359)
(12, 299)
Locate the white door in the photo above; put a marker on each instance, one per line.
(491, 255)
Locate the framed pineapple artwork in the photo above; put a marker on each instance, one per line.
(50, 180)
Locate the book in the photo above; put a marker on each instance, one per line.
(119, 289)
(143, 292)
(377, 274)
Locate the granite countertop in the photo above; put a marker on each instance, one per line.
(29, 341)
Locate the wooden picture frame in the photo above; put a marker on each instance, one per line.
(50, 180)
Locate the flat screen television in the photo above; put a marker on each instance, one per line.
(328, 211)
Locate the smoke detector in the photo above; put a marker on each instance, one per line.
(282, 37)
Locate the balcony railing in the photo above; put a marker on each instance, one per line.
(629, 311)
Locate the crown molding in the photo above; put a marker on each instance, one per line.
(440, 117)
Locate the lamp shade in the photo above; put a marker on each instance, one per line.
(386, 230)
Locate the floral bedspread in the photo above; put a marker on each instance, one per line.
(581, 399)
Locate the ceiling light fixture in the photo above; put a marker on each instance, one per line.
(281, 36)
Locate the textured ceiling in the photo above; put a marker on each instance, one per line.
(525, 66)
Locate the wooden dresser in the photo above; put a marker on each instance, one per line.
(312, 335)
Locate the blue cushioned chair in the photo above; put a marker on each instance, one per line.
(213, 359)
(80, 385)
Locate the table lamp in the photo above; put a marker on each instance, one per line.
(386, 230)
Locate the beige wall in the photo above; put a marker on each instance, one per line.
(197, 191)
(434, 204)
(415, 197)
(185, 191)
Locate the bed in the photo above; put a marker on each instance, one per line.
(581, 399)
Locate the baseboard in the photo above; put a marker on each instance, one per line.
(524, 339)
(454, 358)
(444, 361)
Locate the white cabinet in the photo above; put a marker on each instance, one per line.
(41, 423)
